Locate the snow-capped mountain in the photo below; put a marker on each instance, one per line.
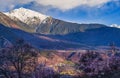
(115, 25)
(35, 22)
(45, 32)
(27, 16)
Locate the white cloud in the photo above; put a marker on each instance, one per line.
(62, 5)
(10, 4)
(5, 4)
(70, 4)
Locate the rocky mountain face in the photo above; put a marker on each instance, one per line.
(17, 24)
(59, 27)
(5, 20)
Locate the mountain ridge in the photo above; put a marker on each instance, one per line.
(48, 25)
(12, 35)
(53, 33)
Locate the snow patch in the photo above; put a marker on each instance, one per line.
(115, 25)
(25, 14)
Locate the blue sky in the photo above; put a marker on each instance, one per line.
(78, 11)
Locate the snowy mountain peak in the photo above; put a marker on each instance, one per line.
(26, 15)
(115, 25)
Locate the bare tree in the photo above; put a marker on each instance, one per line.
(18, 61)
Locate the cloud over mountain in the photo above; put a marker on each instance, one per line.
(62, 5)
(70, 4)
(10, 4)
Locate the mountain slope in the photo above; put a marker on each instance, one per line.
(29, 17)
(43, 24)
(26, 15)
(4, 43)
(55, 26)
(93, 37)
(7, 21)
(39, 42)
(53, 33)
